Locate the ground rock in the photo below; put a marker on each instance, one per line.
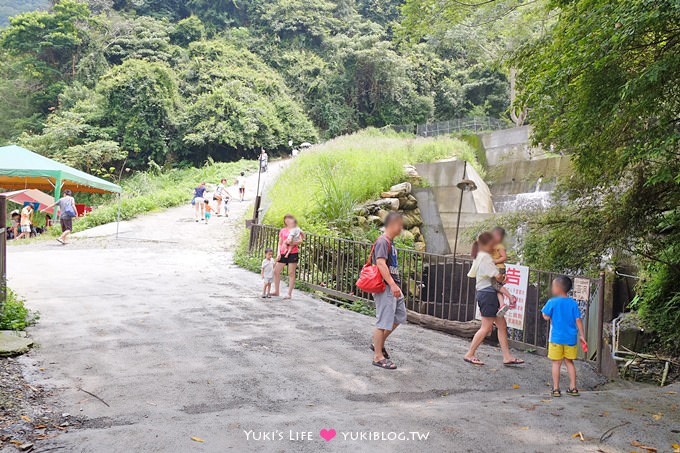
(389, 194)
(14, 343)
(408, 202)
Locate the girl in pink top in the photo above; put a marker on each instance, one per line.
(288, 254)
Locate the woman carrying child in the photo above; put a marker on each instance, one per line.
(287, 255)
(487, 285)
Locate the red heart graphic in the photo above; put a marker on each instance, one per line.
(327, 434)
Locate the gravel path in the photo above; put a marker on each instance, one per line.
(173, 337)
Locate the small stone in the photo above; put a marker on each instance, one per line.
(389, 194)
(404, 187)
(374, 220)
(25, 447)
(407, 235)
(382, 214)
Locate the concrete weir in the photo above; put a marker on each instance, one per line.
(439, 204)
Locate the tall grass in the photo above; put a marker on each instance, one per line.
(323, 185)
(157, 189)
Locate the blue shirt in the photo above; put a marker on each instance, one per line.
(563, 312)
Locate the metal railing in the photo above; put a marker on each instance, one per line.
(434, 285)
(473, 124)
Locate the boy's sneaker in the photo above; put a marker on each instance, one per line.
(556, 393)
(573, 392)
(264, 296)
(504, 309)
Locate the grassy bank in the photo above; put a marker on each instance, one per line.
(323, 186)
(158, 189)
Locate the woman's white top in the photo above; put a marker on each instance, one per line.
(483, 270)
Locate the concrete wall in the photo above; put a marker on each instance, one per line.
(433, 228)
(477, 205)
(508, 145)
(521, 176)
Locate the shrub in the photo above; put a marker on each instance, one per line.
(15, 316)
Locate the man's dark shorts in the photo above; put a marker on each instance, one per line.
(66, 224)
(293, 258)
(487, 299)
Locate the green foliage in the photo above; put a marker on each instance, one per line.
(610, 99)
(15, 315)
(140, 101)
(360, 306)
(323, 186)
(233, 106)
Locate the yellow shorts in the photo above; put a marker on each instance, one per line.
(562, 351)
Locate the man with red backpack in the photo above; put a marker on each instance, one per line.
(390, 309)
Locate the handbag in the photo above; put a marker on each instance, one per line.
(370, 279)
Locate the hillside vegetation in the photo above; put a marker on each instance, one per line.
(324, 185)
(104, 84)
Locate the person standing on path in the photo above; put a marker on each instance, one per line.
(241, 183)
(67, 211)
(199, 202)
(286, 259)
(390, 309)
(26, 222)
(484, 271)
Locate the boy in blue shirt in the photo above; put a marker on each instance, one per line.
(566, 328)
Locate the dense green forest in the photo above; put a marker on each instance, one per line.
(103, 83)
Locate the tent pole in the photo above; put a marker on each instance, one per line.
(57, 196)
(118, 218)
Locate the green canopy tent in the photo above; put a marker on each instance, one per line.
(24, 169)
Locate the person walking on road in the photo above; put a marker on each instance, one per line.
(390, 309)
(285, 258)
(221, 197)
(484, 271)
(67, 211)
(241, 183)
(199, 202)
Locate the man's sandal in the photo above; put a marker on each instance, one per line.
(385, 364)
(384, 351)
(556, 393)
(573, 392)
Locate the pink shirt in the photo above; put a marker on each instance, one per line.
(283, 235)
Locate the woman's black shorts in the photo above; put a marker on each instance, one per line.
(487, 299)
(293, 258)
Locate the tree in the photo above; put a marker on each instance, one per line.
(603, 87)
(236, 109)
(140, 101)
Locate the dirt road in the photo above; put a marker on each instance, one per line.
(163, 327)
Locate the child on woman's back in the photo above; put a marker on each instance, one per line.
(499, 257)
(566, 328)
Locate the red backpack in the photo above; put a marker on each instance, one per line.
(370, 280)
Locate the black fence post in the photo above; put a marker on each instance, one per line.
(600, 321)
(3, 253)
